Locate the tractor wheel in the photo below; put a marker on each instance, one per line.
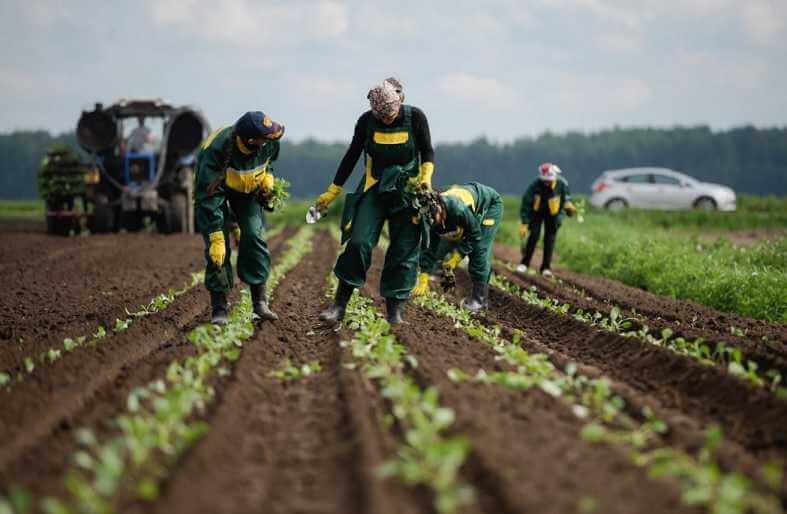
(59, 226)
(132, 221)
(103, 218)
(172, 218)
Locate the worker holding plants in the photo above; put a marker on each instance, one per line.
(398, 158)
(545, 201)
(464, 221)
(234, 175)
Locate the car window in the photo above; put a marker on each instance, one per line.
(637, 179)
(664, 179)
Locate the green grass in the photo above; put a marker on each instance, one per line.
(663, 253)
(22, 209)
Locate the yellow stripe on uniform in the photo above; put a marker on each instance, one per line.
(488, 222)
(246, 181)
(369, 181)
(536, 202)
(391, 138)
(554, 205)
(462, 194)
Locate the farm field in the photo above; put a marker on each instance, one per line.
(576, 394)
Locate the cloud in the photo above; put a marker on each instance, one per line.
(253, 24)
(763, 20)
(480, 91)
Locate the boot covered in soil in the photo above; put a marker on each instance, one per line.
(259, 303)
(394, 310)
(335, 313)
(218, 308)
(479, 298)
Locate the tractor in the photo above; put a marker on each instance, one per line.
(130, 177)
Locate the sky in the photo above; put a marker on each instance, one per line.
(502, 69)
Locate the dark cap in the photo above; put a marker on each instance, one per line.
(256, 124)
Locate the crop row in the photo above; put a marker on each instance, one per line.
(159, 421)
(704, 352)
(703, 482)
(427, 456)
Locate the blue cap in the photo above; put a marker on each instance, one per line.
(256, 124)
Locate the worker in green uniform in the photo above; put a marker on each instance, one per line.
(397, 148)
(465, 219)
(545, 201)
(234, 175)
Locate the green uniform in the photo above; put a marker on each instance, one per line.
(543, 203)
(237, 191)
(391, 159)
(473, 215)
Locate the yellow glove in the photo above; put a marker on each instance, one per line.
(570, 209)
(425, 178)
(422, 286)
(523, 230)
(325, 199)
(266, 182)
(217, 250)
(451, 262)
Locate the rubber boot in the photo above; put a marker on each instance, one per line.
(335, 313)
(218, 308)
(394, 310)
(259, 303)
(479, 298)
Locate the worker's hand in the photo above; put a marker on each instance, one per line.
(217, 250)
(570, 209)
(422, 285)
(523, 228)
(236, 236)
(425, 176)
(452, 261)
(266, 183)
(325, 199)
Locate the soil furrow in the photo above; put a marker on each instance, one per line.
(527, 454)
(688, 318)
(286, 446)
(56, 399)
(749, 416)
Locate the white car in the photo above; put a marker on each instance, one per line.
(658, 188)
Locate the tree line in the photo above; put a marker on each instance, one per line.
(748, 159)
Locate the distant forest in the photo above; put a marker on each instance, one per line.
(747, 159)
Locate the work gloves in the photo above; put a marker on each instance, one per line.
(425, 176)
(325, 199)
(523, 228)
(217, 250)
(452, 261)
(422, 285)
(570, 209)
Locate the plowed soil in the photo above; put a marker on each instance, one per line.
(314, 444)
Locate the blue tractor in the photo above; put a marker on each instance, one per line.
(141, 179)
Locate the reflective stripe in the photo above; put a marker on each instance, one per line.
(488, 222)
(462, 194)
(391, 138)
(246, 181)
(369, 181)
(554, 205)
(536, 202)
(454, 236)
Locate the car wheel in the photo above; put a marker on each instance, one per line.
(616, 204)
(705, 204)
